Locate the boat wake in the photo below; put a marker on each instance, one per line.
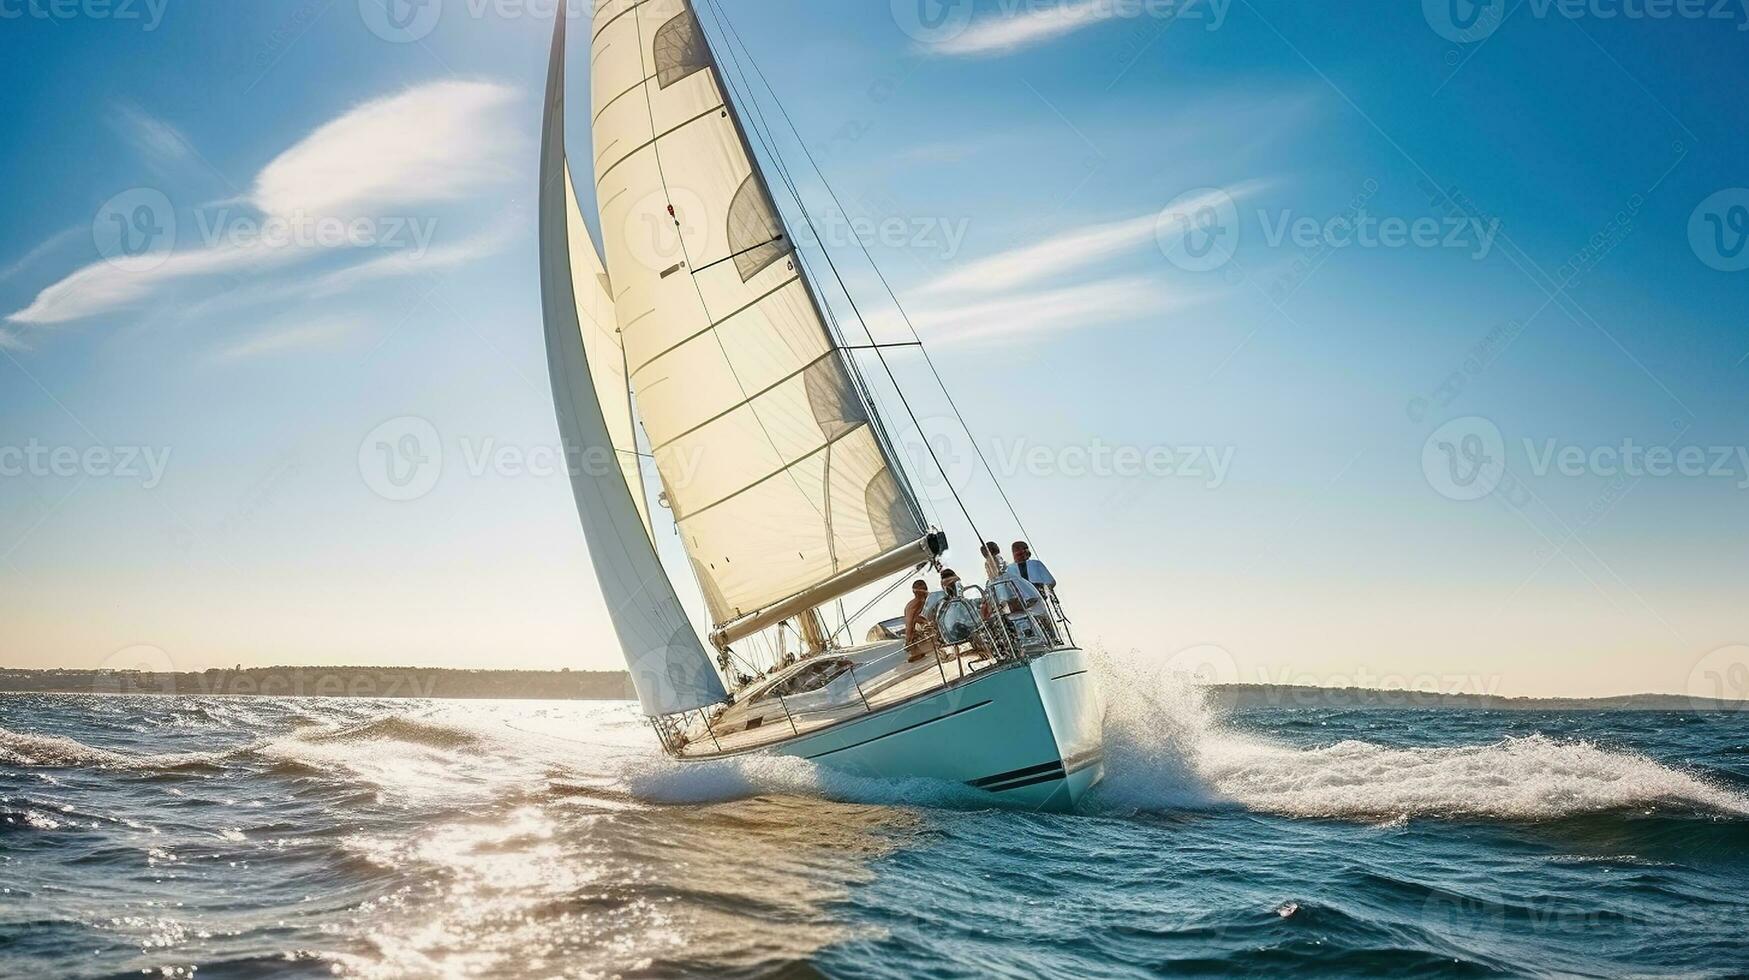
(1166, 748)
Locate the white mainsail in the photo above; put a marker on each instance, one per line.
(774, 473)
(669, 665)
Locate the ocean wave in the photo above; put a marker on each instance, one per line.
(32, 750)
(409, 729)
(1167, 749)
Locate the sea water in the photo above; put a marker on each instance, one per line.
(222, 837)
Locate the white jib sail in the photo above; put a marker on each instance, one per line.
(771, 467)
(669, 664)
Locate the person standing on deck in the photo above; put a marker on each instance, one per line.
(1026, 568)
(1035, 582)
(993, 563)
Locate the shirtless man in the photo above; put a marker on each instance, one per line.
(917, 624)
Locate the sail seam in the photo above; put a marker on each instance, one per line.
(774, 474)
(609, 22)
(732, 408)
(753, 169)
(762, 297)
(652, 142)
(609, 103)
(888, 449)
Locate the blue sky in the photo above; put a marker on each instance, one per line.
(1343, 285)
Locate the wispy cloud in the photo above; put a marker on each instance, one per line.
(114, 284)
(1054, 256)
(11, 341)
(434, 142)
(384, 267)
(1023, 28)
(54, 242)
(283, 338)
(1071, 250)
(1041, 312)
(158, 142)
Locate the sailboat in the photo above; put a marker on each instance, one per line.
(704, 327)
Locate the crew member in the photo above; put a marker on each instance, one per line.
(1026, 568)
(919, 633)
(993, 563)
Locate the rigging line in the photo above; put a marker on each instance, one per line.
(830, 315)
(889, 590)
(662, 175)
(723, 18)
(875, 267)
(864, 391)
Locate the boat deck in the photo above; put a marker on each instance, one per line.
(880, 677)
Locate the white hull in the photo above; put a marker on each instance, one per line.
(1029, 733)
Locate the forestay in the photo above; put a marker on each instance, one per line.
(669, 664)
(771, 467)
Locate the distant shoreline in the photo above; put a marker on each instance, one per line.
(1295, 696)
(615, 685)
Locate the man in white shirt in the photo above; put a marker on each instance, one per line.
(1031, 578)
(1026, 568)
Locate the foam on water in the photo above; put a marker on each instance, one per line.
(1167, 749)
